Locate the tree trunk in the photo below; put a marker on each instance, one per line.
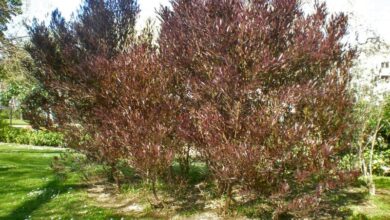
(371, 184)
(154, 190)
(371, 187)
(10, 118)
(229, 197)
(185, 162)
(114, 176)
(361, 151)
(364, 169)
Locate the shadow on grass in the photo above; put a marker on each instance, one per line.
(50, 190)
(334, 206)
(337, 203)
(5, 168)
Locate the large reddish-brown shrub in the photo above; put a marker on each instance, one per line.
(257, 88)
(264, 95)
(108, 86)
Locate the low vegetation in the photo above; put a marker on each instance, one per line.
(28, 136)
(45, 187)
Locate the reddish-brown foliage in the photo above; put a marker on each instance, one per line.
(137, 126)
(108, 86)
(263, 91)
(257, 88)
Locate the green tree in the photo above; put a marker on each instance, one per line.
(14, 68)
(8, 8)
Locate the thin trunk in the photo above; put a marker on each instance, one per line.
(115, 176)
(364, 169)
(361, 150)
(154, 190)
(147, 176)
(47, 119)
(229, 197)
(361, 159)
(371, 183)
(185, 162)
(10, 118)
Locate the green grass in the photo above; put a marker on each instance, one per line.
(18, 122)
(353, 203)
(375, 207)
(30, 190)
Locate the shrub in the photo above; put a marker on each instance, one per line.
(264, 94)
(66, 55)
(31, 137)
(107, 85)
(257, 88)
(136, 129)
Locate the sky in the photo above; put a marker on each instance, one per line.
(367, 16)
(41, 10)
(373, 15)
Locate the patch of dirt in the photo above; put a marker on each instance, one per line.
(134, 208)
(141, 204)
(108, 197)
(383, 192)
(23, 126)
(200, 216)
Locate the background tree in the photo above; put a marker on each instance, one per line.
(8, 8)
(36, 108)
(14, 74)
(14, 81)
(371, 112)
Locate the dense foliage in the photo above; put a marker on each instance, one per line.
(8, 8)
(103, 85)
(264, 93)
(13, 90)
(36, 108)
(30, 137)
(66, 54)
(257, 89)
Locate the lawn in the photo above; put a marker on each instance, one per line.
(16, 122)
(4, 115)
(29, 189)
(378, 206)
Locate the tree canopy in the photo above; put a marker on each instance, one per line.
(8, 8)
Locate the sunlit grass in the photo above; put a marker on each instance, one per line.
(375, 207)
(30, 190)
(19, 122)
(16, 121)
